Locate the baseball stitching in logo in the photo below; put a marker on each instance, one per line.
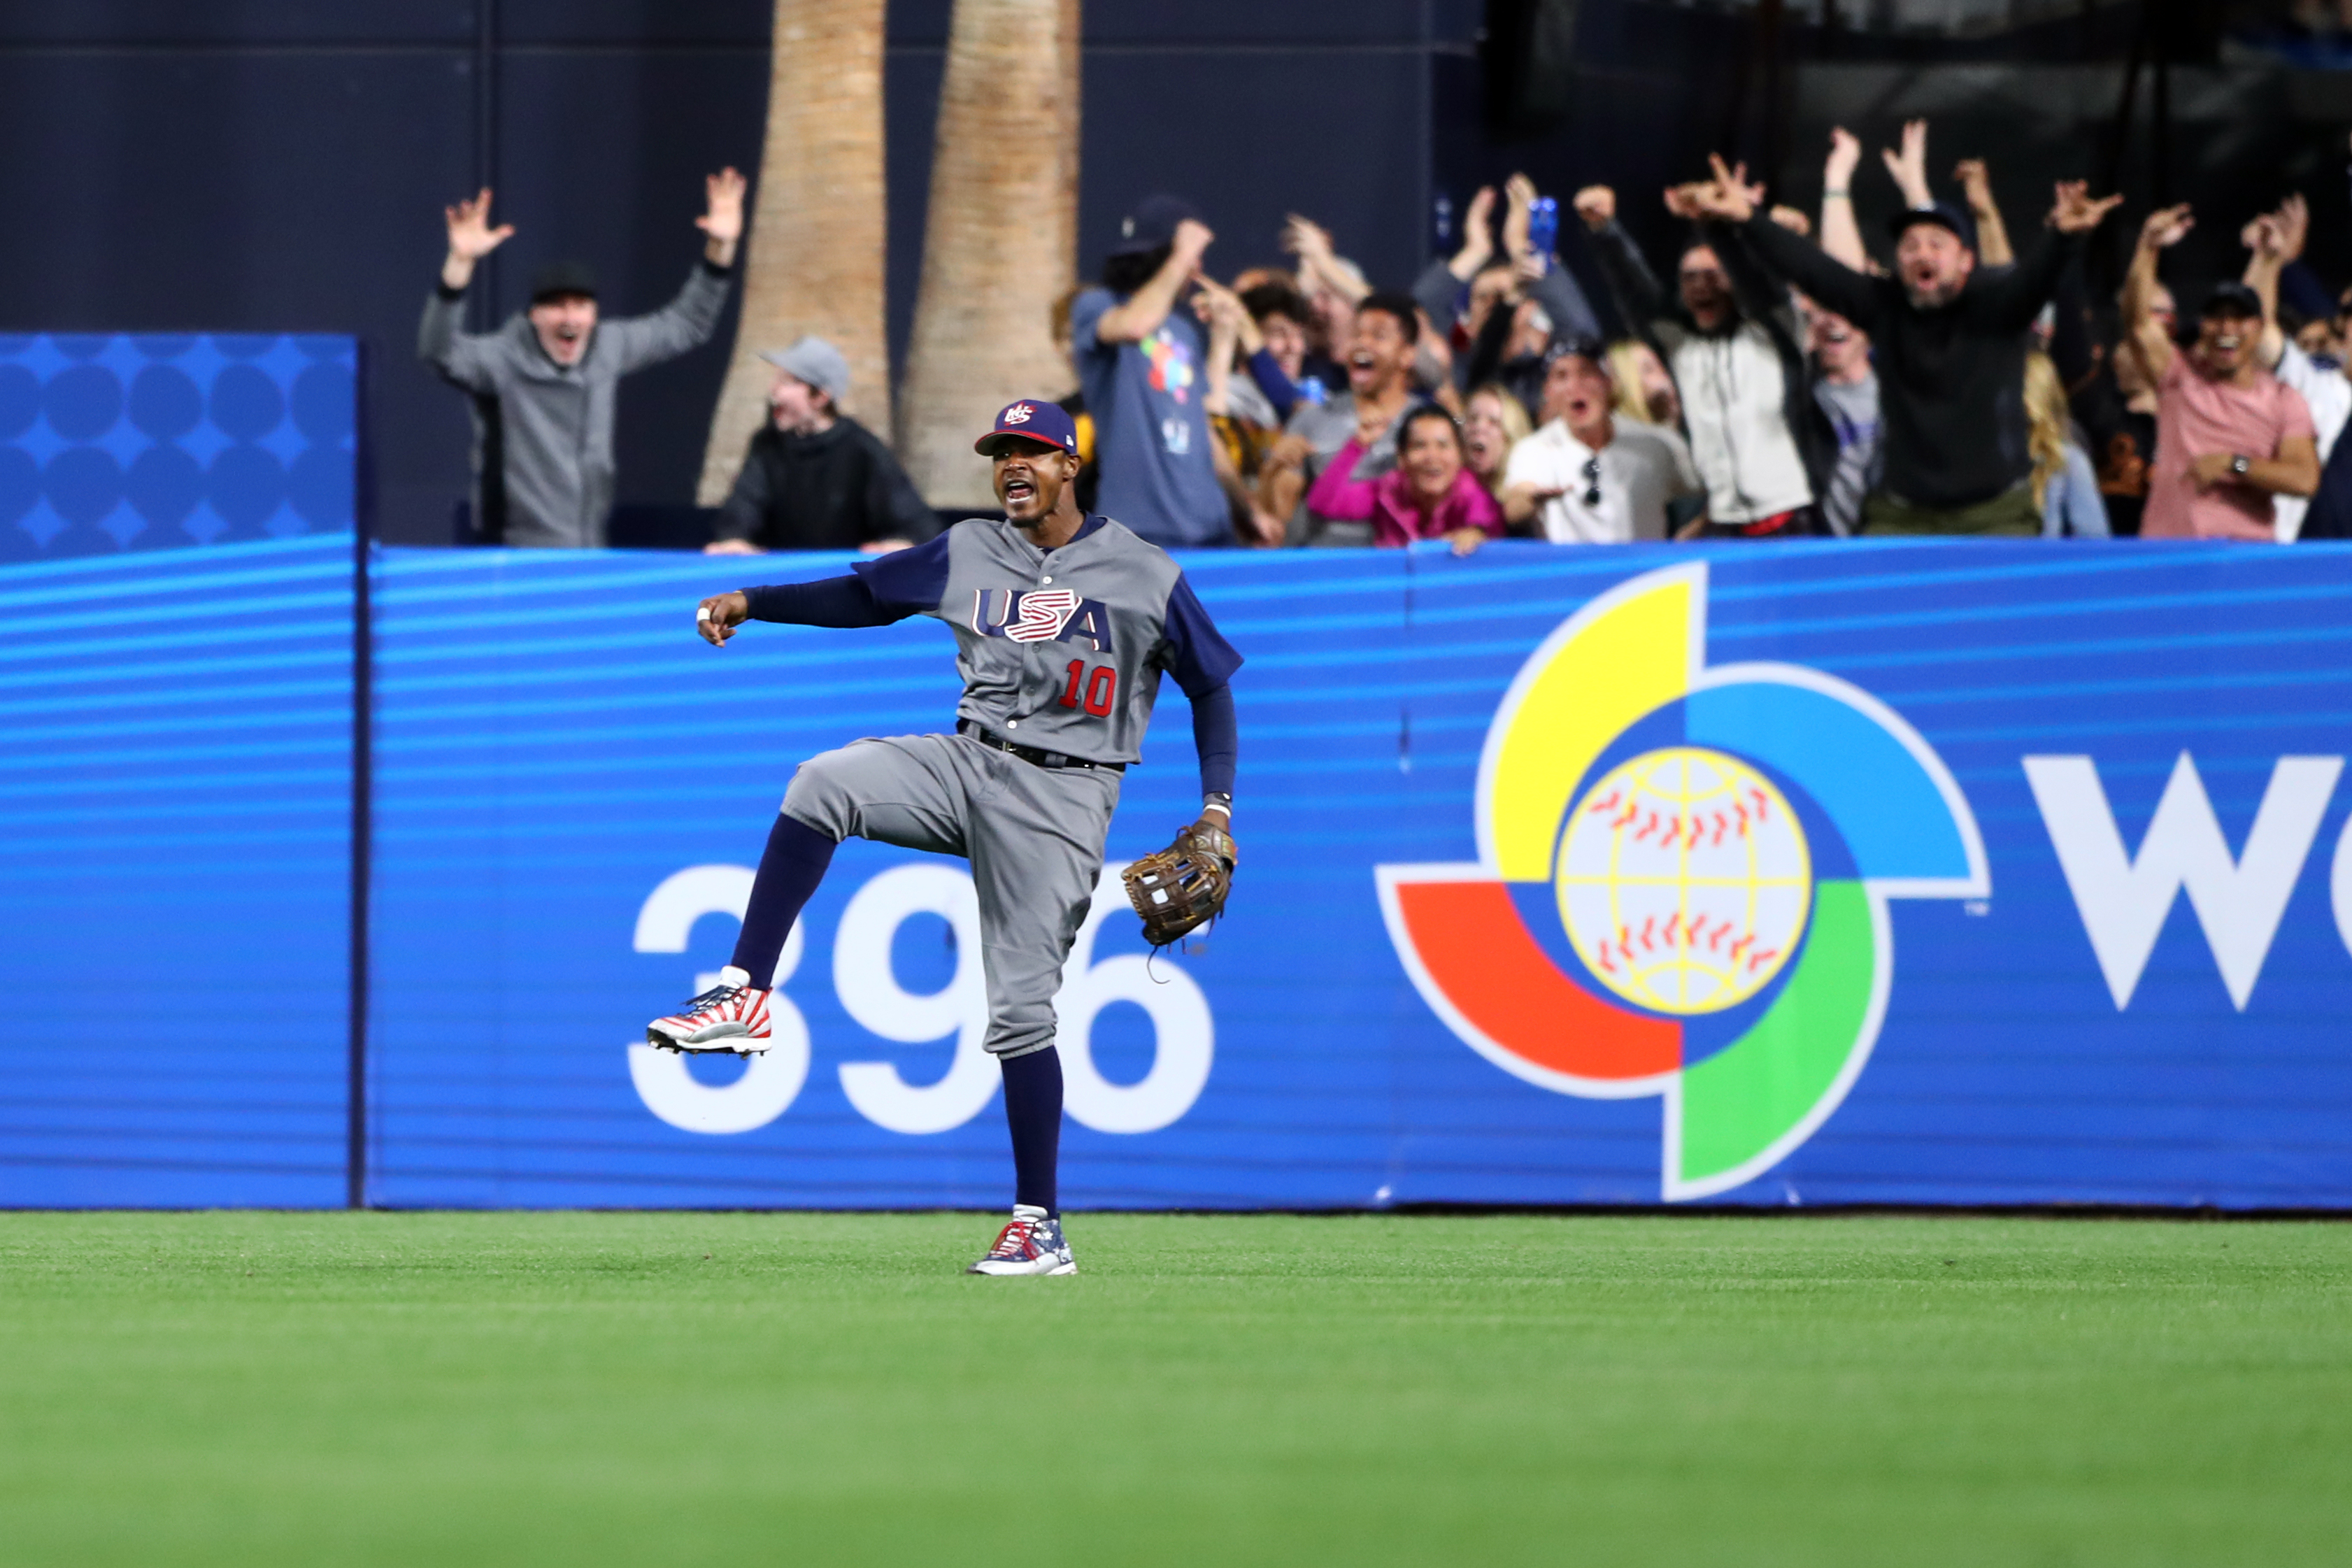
(1684, 880)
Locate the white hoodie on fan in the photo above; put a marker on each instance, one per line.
(1734, 395)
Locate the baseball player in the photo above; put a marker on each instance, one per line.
(1064, 623)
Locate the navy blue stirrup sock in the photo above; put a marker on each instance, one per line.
(790, 870)
(1033, 1109)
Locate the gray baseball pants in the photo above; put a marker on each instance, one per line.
(1034, 836)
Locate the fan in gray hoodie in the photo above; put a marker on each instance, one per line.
(543, 383)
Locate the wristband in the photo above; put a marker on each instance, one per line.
(1840, 195)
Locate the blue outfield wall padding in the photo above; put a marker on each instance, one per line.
(1846, 759)
(2118, 979)
(175, 797)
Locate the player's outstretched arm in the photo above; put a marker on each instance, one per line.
(878, 591)
(840, 602)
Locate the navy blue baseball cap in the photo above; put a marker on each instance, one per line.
(1152, 224)
(1943, 215)
(2231, 297)
(1031, 419)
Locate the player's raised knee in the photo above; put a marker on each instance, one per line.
(820, 795)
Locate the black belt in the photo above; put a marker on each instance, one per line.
(1030, 754)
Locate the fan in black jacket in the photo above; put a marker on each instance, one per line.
(1950, 350)
(817, 480)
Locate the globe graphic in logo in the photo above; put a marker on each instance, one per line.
(1683, 881)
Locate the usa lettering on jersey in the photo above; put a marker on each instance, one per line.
(1041, 615)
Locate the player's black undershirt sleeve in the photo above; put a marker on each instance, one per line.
(827, 602)
(1217, 738)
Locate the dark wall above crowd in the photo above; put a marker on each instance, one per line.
(249, 166)
(252, 166)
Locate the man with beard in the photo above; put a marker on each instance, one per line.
(1951, 346)
(1064, 624)
(1351, 440)
(544, 385)
(1740, 366)
(2229, 435)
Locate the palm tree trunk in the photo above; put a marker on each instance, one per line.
(814, 257)
(1000, 244)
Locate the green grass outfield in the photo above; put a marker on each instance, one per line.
(258, 1389)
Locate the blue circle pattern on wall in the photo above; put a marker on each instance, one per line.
(156, 442)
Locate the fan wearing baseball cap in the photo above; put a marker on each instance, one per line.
(1949, 341)
(814, 479)
(543, 386)
(2229, 435)
(1142, 366)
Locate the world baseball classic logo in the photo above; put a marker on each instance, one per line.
(1682, 881)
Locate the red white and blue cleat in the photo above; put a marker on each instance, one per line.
(1032, 1244)
(731, 1016)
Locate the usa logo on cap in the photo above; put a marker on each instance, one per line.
(1031, 419)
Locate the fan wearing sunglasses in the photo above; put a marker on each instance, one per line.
(1586, 478)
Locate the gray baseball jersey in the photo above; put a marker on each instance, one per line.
(1059, 649)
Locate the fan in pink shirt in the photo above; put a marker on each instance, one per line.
(1430, 494)
(2229, 435)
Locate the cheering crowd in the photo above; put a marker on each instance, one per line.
(1781, 383)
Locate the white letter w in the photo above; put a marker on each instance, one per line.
(2124, 902)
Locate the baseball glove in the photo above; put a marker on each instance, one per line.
(1183, 887)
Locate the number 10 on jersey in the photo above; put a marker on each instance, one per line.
(1101, 687)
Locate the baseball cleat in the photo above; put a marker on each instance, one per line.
(732, 1015)
(1032, 1244)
